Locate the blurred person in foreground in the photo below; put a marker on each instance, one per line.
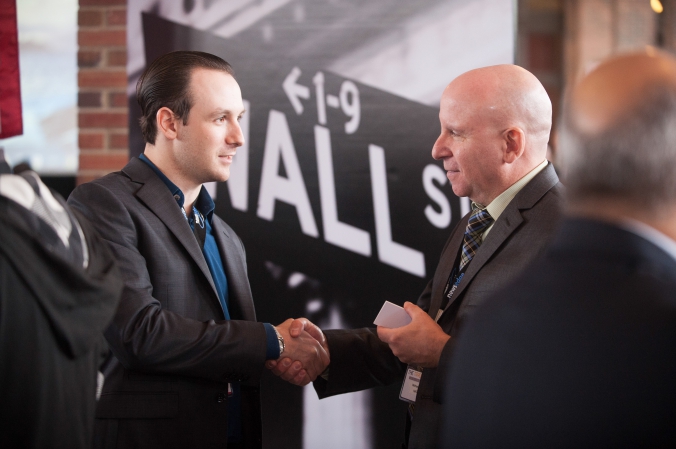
(495, 125)
(59, 288)
(580, 350)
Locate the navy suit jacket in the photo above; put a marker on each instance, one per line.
(172, 351)
(578, 352)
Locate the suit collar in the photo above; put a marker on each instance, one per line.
(157, 197)
(664, 242)
(204, 203)
(595, 238)
(499, 204)
(508, 222)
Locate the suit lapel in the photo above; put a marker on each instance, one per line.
(508, 222)
(235, 270)
(157, 197)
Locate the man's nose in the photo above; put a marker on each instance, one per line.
(440, 150)
(235, 136)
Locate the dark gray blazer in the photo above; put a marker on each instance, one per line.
(359, 360)
(173, 352)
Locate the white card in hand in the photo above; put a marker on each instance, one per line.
(391, 315)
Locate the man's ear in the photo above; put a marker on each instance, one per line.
(167, 123)
(515, 144)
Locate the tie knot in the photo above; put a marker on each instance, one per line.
(479, 220)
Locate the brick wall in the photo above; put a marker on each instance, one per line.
(597, 29)
(540, 45)
(102, 82)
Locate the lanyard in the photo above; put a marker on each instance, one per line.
(453, 282)
(451, 286)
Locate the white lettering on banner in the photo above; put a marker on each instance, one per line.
(348, 99)
(442, 218)
(321, 105)
(295, 91)
(291, 190)
(333, 101)
(335, 232)
(389, 252)
(238, 183)
(351, 108)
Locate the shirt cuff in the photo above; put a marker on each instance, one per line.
(272, 351)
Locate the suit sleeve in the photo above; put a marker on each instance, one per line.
(359, 360)
(146, 337)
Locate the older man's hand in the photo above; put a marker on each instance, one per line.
(292, 369)
(420, 342)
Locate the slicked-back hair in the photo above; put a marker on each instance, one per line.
(634, 160)
(166, 83)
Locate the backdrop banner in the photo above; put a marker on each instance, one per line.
(335, 193)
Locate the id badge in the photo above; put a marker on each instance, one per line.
(409, 389)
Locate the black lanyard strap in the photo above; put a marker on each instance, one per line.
(453, 282)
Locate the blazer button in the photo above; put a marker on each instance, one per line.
(220, 397)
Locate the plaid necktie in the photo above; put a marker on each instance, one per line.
(479, 220)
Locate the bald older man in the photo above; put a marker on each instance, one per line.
(495, 125)
(580, 350)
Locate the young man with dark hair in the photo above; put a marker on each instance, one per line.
(187, 352)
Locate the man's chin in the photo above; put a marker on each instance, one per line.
(458, 190)
(222, 175)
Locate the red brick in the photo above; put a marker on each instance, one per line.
(97, 78)
(90, 141)
(116, 17)
(88, 58)
(103, 120)
(545, 52)
(104, 160)
(89, 18)
(92, 38)
(118, 141)
(102, 2)
(89, 99)
(117, 100)
(117, 58)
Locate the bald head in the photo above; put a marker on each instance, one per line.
(506, 95)
(495, 124)
(618, 135)
(618, 88)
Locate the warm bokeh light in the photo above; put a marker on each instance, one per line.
(657, 6)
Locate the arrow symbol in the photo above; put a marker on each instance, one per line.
(295, 91)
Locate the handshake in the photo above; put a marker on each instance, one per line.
(306, 354)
